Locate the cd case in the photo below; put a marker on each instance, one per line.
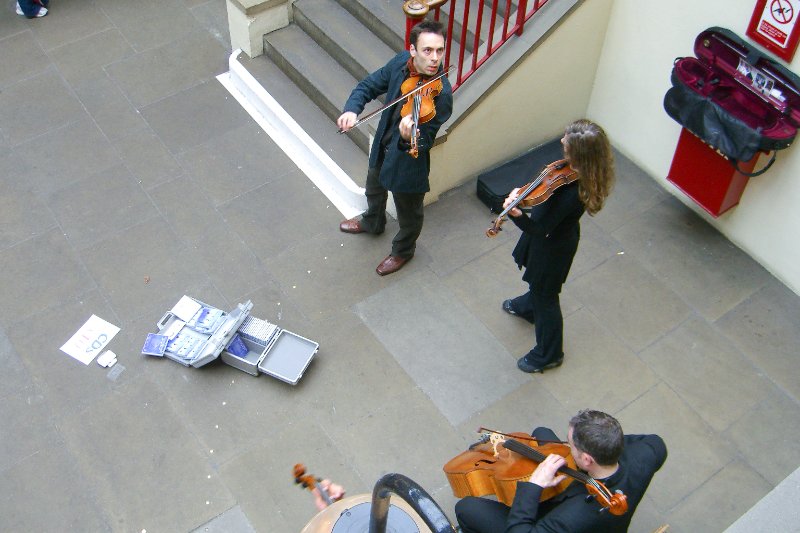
(155, 344)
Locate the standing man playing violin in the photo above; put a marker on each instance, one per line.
(391, 167)
(621, 462)
(550, 238)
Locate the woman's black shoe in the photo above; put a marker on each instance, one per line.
(525, 366)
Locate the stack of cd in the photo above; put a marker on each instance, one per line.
(258, 330)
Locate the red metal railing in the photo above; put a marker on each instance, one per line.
(473, 48)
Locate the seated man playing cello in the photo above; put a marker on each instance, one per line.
(623, 463)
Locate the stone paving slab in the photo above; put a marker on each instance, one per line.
(441, 345)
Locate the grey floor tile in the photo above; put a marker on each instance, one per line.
(16, 376)
(51, 493)
(706, 511)
(143, 280)
(110, 108)
(251, 476)
(70, 20)
(696, 453)
(440, 345)
(342, 360)
(231, 265)
(232, 520)
(387, 448)
(772, 425)
(147, 158)
(460, 221)
(213, 16)
(148, 23)
(22, 57)
(22, 214)
(180, 201)
(593, 354)
(179, 125)
(542, 409)
(700, 365)
(269, 220)
(482, 285)
(633, 303)
(155, 458)
(73, 152)
(687, 255)
(86, 57)
(67, 385)
(234, 163)
(100, 206)
(28, 426)
(12, 25)
(38, 273)
(37, 105)
(634, 192)
(155, 74)
(766, 327)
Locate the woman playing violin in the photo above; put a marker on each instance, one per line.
(550, 236)
(391, 166)
(622, 462)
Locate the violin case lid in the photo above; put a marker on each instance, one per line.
(744, 81)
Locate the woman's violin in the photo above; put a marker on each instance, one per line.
(540, 190)
(496, 469)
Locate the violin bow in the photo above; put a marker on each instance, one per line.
(399, 99)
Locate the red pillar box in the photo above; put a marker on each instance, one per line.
(707, 177)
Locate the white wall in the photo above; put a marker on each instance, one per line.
(642, 40)
(550, 87)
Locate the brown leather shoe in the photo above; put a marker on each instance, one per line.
(351, 225)
(391, 264)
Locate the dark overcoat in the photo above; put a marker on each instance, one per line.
(549, 240)
(400, 172)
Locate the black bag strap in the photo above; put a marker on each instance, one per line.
(735, 164)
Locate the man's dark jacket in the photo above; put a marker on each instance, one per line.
(400, 172)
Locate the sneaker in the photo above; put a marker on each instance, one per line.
(42, 11)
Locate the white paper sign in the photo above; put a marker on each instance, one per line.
(90, 339)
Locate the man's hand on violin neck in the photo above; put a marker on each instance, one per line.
(346, 121)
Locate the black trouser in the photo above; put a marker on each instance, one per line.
(480, 515)
(544, 311)
(409, 214)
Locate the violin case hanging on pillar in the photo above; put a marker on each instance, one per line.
(495, 184)
(734, 98)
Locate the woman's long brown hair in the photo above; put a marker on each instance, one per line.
(588, 151)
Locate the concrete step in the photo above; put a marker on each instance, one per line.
(315, 73)
(341, 148)
(343, 36)
(384, 18)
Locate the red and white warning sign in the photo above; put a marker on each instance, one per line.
(774, 25)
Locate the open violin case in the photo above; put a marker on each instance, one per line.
(495, 184)
(733, 97)
(208, 333)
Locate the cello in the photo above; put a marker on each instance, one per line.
(499, 470)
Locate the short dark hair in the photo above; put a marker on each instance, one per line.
(426, 26)
(599, 435)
